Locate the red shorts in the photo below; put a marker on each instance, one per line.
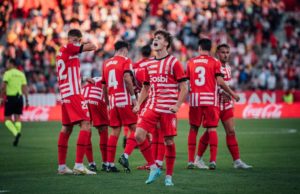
(99, 114)
(226, 114)
(74, 109)
(168, 122)
(208, 114)
(122, 116)
(142, 106)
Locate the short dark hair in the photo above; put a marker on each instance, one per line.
(75, 32)
(224, 45)
(12, 61)
(205, 44)
(166, 35)
(146, 50)
(121, 44)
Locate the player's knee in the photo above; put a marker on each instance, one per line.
(169, 140)
(140, 135)
(211, 129)
(132, 127)
(66, 129)
(194, 127)
(230, 131)
(85, 125)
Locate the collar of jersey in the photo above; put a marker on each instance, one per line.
(162, 58)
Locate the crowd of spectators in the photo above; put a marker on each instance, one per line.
(264, 39)
(38, 29)
(261, 59)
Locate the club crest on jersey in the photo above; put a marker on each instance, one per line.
(160, 79)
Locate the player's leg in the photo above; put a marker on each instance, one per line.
(82, 144)
(146, 122)
(231, 140)
(18, 112)
(112, 148)
(89, 154)
(8, 113)
(160, 152)
(126, 131)
(62, 144)
(130, 145)
(103, 133)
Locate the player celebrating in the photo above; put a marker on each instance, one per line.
(93, 94)
(163, 75)
(226, 108)
(118, 91)
(204, 73)
(74, 107)
(157, 139)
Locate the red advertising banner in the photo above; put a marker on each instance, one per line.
(249, 111)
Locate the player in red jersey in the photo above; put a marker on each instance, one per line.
(163, 76)
(74, 107)
(118, 91)
(93, 94)
(226, 108)
(204, 73)
(157, 139)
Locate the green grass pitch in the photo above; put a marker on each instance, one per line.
(271, 146)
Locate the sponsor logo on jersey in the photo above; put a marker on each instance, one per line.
(160, 79)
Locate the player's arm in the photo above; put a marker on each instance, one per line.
(142, 97)
(183, 87)
(25, 93)
(88, 46)
(129, 84)
(226, 88)
(105, 93)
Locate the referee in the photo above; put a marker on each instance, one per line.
(13, 86)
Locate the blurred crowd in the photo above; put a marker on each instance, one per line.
(38, 29)
(264, 39)
(262, 57)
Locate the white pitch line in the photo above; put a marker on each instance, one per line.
(270, 131)
(4, 191)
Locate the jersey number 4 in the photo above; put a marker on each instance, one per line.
(201, 76)
(112, 80)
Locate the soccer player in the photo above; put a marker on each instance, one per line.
(157, 139)
(204, 73)
(226, 108)
(13, 87)
(74, 107)
(163, 76)
(119, 92)
(93, 93)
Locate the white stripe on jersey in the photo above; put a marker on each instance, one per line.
(147, 63)
(152, 66)
(161, 66)
(161, 110)
(168, 95)
(197, 99)
(64, 85)
(76, 81)
(172, 66)
(163, 105)
(167, 85)
(207, 93)
(168, 64)
(206, 103)
(152, 72)
(175, 101)
(95, 96)
(205, 97)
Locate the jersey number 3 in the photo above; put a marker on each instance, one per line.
(112, 80)
(201, 76)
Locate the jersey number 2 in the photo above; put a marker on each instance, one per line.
(61, 68)
(201, 76)
(112, 80)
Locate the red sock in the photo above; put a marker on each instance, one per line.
(62, 147)
(170, 158)
(213, 143)
(160, 152)
(111, 148)
(89, 149)
(103, 144)
(126, 131)
(130, 143)
(192, 141)
(145, 148)
(154, 143)
(203, 142)
(82, 141)
(233, 146)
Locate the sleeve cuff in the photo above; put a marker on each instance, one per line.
(146, 83)
(81, 48)
(219, 74)
(182, 80)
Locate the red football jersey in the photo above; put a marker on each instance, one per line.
(68, 72)
(226, 71)
(163, 76)
(93, 92)
(113, 73)
(139, 74)
(202, 72)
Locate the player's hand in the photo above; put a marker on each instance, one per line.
(90, 80)
(174, 109)
(136, 108)
(236, 97)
